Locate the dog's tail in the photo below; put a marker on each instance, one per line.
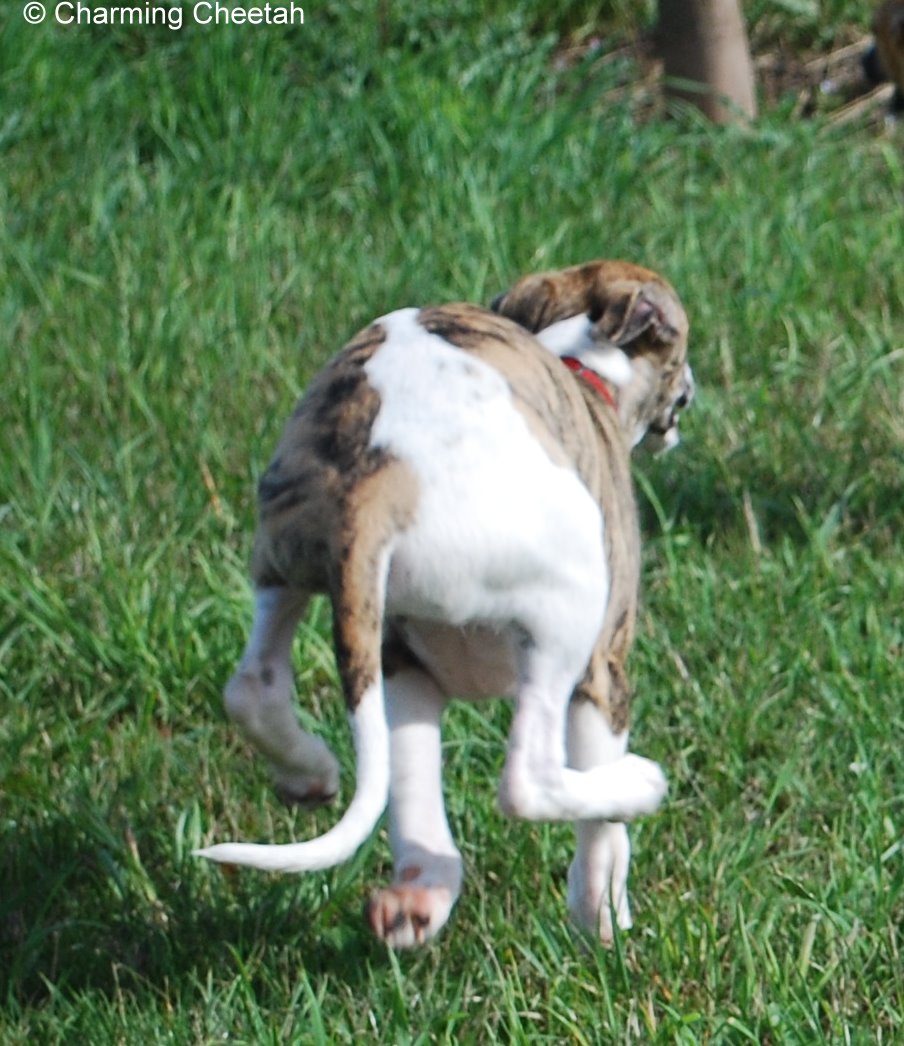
(358, 601)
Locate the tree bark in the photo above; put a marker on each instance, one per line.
(706, 57)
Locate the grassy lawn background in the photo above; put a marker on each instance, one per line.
(190, 224)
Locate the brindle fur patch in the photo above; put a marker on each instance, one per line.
(329, 503)
(608, 292)
(323, 453)
(380, 505)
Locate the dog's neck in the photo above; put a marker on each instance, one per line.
(598, 362)
(591, 377)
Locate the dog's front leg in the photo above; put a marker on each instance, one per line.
(259, 700)
(598, 876)
(428, 872)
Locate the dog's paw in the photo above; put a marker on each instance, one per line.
(642, 786)
(308, 786)
(307, 794)
(405, 916)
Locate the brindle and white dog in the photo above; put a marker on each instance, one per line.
(464, 497)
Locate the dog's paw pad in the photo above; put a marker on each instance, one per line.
(405, 916)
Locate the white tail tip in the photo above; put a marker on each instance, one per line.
(289, 857)
(371, 736)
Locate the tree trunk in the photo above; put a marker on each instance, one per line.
(706, 57)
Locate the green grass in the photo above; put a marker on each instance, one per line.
(190, 224)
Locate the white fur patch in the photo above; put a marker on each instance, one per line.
(501, 533)
(590, 738)
(568, 337)
(610, 363)
(574, 337)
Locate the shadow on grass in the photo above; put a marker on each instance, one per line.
(765, 501)
(76, 916)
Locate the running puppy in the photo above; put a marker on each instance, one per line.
(457, 480)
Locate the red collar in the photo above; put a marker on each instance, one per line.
(591, 377)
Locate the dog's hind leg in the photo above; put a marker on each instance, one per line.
(428, 870)
(259, 699)
(537, 784)
(598, 876)
(357, 632)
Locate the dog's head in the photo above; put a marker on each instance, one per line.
(622, 321)
(885, 59)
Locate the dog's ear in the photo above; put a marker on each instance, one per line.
(624, 302)
(533, 302)
(629, 310)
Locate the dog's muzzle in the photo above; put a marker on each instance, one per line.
(663, 434)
